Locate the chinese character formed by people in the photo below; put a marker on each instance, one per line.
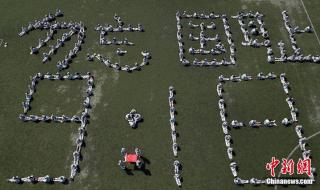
(49, 23)
(204, 39)
(104, 40)
(297, 56)
(254, 28)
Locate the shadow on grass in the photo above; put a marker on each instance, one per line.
(128, 171)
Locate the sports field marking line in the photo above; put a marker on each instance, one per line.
(293, 150)
(314, 29)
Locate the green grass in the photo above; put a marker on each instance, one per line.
(40, 149)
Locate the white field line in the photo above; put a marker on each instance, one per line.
(293, 150)
(313, 28)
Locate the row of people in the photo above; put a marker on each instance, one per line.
(107, 62)
(253, 181)
(230, 41)
(266, 123)
(270, 55)
(74, 168)
(41, 24)
(234, 169)
(203, 38)
(182, 58)
(270, 75)
(115, 41)
(285, 83)
(195, 15)
(225, 127)
(305, 152)
(172, 120)
(235, 78)
(119, 27)
(255, 43)
(50, 118)
(217, 50)
(213, 62)
(32, 179)
(75, 165)
(202, 26)
(67, 76)
(177, 170)
(252, 123)
(293, 110)
(29, 95)
(248, 14)
(219, 89)
(133, 118)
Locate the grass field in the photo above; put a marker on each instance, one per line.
(46, 148)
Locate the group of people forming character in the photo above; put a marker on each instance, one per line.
(48, 24)
(133, 118)
(297, 56)
(255, 123)
(217, 50)
(175, 146)
(253, 29)
(120, 27)
(83, 120)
